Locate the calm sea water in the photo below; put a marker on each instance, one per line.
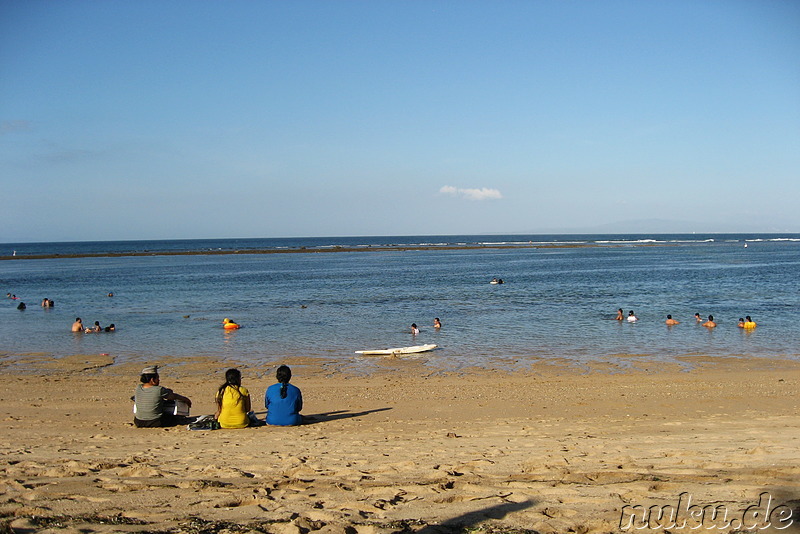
(558, 301)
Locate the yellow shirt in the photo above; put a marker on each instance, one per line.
(749, 324)
(232, 414)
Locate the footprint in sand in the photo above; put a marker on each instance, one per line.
(140, 471)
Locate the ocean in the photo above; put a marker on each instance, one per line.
(328, 297)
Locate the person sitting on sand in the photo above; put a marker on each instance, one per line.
(283, 400)
(150, 398)
(671, 321)
(77, 326)
(233, 402)
(620, 315)
(414, 329)
(748, 323)
(631, 317)
(437, 323)
(710, 323)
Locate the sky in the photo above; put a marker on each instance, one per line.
(173, 119)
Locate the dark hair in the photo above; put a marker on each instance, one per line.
(669, 316)
(710, 317)
(748, 318)
(283, 375)
(233, 378)
(148, 377)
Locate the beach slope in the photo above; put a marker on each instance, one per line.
(554, 449)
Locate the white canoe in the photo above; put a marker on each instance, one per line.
(398, 350)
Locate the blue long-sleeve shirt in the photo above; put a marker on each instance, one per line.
(286, 411)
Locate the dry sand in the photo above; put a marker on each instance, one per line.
(555, 449)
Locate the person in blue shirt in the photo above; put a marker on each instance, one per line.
(283, 400)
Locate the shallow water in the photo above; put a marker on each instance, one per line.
(557, 302)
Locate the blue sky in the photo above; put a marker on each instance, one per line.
(190, 119)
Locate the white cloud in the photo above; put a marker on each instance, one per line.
(483, 193)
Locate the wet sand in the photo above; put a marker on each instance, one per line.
(555, 449)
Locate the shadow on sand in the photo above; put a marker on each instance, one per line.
(327, 416)
(340, 414)
(468, 522)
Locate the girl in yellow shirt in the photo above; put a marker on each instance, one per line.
(233, 401)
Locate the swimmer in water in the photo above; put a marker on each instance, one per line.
(620, 315)
(437, 323)
(748, 323)
(710, 323)
(631, 317)
(227, 324)
(95, 328)
(414, 329)
(671, 321)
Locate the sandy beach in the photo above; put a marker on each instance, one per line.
(554, 449)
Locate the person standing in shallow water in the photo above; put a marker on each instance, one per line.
(283, 401)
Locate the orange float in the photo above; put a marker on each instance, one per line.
(227, 324)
